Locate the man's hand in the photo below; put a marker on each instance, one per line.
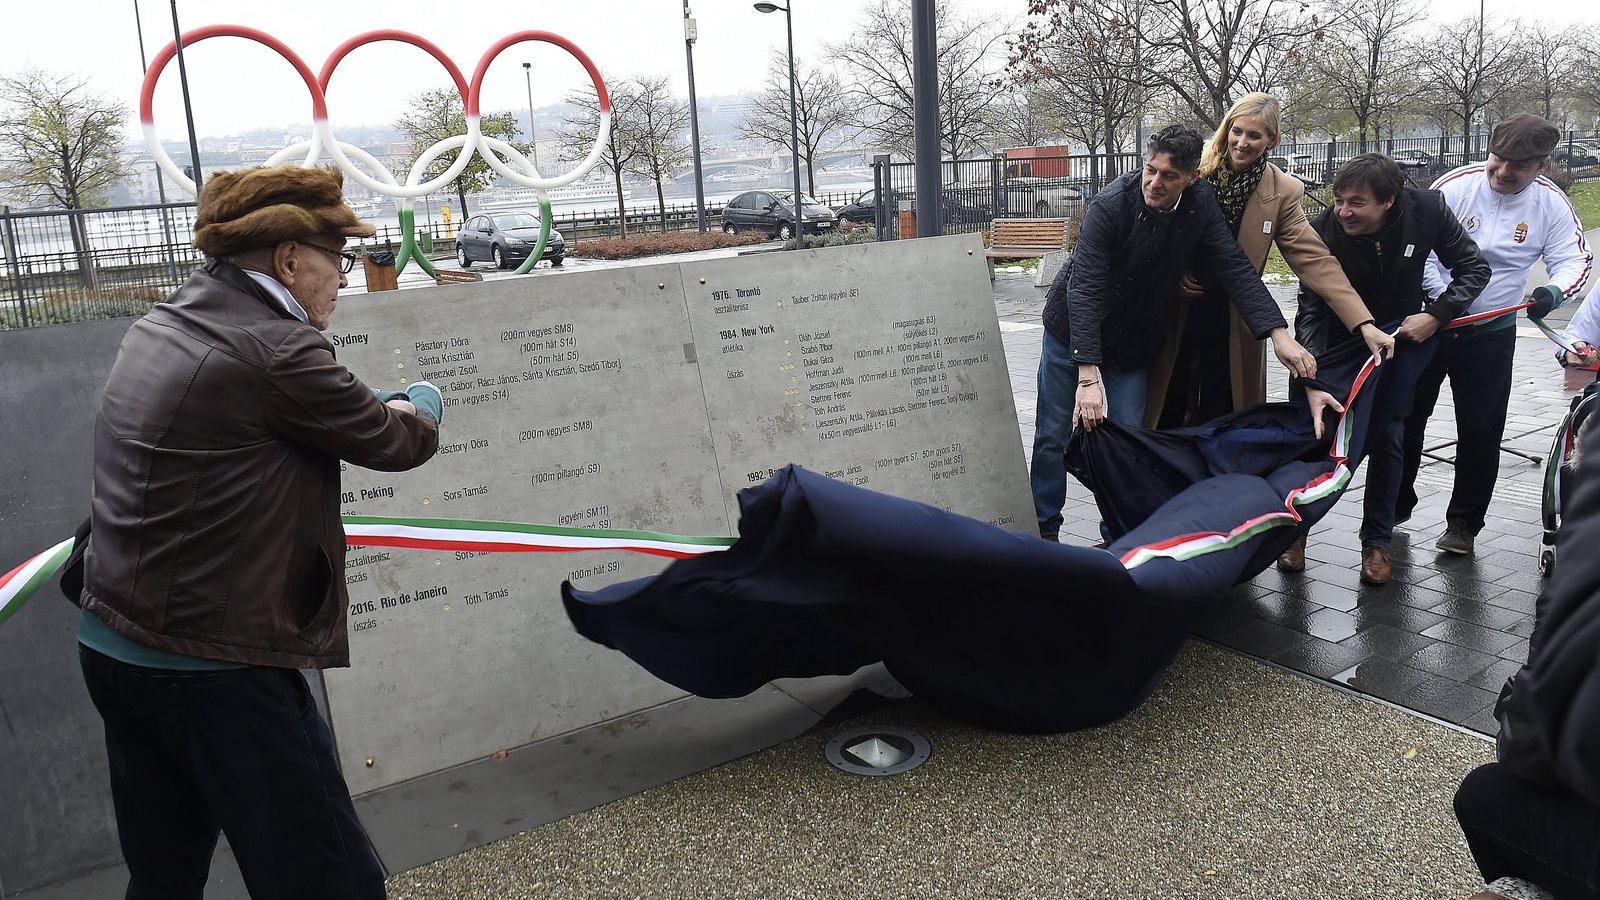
(1320, 402)
(1190, 288)
(1297, 359)
(403, 405)
(1418, 327)
(1379, 343)
(1089, 406)
(1584, 356)
(1546, 297)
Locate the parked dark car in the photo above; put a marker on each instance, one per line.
(863, 209)
(772, 212)
(505, 239)
(1412, 158)
(1579, 155)
(962, 206)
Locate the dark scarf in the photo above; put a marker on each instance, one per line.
(1234, 188)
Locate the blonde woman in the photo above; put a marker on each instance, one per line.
(1195, 380)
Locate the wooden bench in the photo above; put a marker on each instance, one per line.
(455, 276)
(1024, 239)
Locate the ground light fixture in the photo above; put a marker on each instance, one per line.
(877, 750)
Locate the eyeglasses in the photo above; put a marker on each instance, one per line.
(347, 261)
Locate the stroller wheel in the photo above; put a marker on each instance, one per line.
(1547, 561)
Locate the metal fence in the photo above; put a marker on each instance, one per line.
(71, 265)
(975, 192)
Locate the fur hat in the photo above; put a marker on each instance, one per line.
(265, 206)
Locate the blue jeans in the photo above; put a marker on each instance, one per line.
(1384, 463)
(1052, 426)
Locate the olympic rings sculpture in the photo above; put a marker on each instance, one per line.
(521, 170)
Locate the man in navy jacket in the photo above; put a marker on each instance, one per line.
(1110, 303)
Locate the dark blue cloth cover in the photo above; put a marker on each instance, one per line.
(1000, 629)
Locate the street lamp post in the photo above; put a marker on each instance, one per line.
(690, 33)
(794, 123)
(161, 183)
(188, 111)
(533, 140)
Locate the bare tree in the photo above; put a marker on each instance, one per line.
(1087, 60)
(820, 111)
(579, 133)
(877, 63)
(1468, 69)
(1365, 63)
(60, 144)
(1027, 117)
(658, 124)
(1552, 60)
(1206, 53)
(438, 114)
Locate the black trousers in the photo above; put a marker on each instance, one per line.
(242, 752)
(1478, 364)
(1518, 829)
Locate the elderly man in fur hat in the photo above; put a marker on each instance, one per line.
(214, 570)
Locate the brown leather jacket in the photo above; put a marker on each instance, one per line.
(215, 514)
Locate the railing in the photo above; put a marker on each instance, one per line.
(70, 265)
(975, 192)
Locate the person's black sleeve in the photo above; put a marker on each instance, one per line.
(1231, 269)
(1469, 273)
(1562, 679)
(1087, 282)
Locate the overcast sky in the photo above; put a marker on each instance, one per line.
(237, 85)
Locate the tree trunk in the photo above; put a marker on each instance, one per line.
(661, 204)
(82, 250)
(622, 209)
(811, 177)
(461, 194)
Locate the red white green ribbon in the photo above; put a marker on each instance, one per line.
(22, 582)
(1188, 546)
(17, 585)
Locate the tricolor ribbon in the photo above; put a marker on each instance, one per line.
(1188, 546)
(25, 580)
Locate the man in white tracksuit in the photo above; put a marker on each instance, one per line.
(1516, 216)
(1582, 334)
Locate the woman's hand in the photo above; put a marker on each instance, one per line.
(1379, 343)
(1190, 288)
(1320, 402)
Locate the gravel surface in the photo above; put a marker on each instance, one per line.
(1233, 780)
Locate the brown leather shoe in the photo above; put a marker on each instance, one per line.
(1375, 566)
(1294, 558)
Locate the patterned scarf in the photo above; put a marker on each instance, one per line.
(1234, 188)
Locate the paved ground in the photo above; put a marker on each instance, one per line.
(1233, 780)
(1443, 636)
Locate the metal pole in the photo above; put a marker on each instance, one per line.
(925, 100)
(161, 183)
(794, 135)
(188, 111)
(8, 233)
(690, 34)
(533, 140)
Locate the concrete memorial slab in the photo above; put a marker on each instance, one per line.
(609, 399)
(640, 398)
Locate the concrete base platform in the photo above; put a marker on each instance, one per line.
(1236, 779)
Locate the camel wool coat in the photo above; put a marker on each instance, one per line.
(1273, 214)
